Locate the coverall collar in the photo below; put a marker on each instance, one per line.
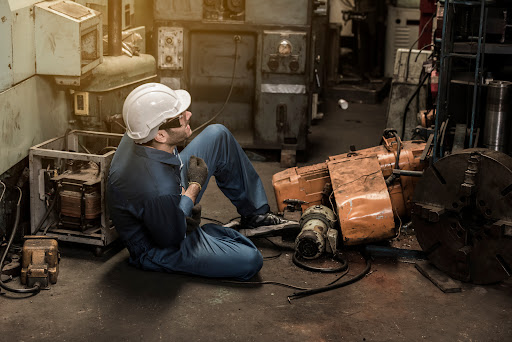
(157, 155)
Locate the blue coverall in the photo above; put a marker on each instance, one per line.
(144, 196)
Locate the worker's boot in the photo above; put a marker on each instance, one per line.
(265, 224)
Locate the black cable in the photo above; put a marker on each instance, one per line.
(423, 48)
(410, 100)
(409, 173)
(213, 220)
(37, 286)
(273, 256)
(342, 267)
(47, 213)
(234, 218)
(306, 293)
(230, 90)
(265, 283)
(412, 46)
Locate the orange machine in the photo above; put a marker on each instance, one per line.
(355, 184)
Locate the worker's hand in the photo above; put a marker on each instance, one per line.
(197, 171)
(194, 221)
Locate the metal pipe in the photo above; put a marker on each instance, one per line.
(478, 71)
(410, 173)
(115, 19)
(498, 116)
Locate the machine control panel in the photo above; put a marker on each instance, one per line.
(284, 52)
(170, 48)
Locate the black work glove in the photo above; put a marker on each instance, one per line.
(194, 220)
(197, 171)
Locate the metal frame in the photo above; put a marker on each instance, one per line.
(445, 68)
(52, 149)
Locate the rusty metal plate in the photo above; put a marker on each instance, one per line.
(362, 200)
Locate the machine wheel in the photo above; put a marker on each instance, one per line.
(462, 215)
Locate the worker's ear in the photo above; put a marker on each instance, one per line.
(161, 136)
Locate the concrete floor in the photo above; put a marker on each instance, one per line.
(104, 299)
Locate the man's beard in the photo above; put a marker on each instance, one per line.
(176, 137)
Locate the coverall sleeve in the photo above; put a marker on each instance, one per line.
(164, 218)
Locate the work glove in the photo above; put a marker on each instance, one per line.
(197, 171)
(194, 221)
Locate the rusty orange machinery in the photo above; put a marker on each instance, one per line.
(365, 205)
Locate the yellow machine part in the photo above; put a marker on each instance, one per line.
(365, 205)
(40, 260)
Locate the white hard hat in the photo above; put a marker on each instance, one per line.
(150, 105)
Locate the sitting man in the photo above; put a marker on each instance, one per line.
(152, 189)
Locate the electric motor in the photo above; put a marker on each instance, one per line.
(315, 224)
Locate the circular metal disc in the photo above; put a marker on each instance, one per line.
(462, 215)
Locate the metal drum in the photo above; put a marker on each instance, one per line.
(498, 121)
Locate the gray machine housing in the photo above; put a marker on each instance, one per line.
(270, 102)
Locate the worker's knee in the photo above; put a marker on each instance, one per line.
(217, 131)
(251, 265)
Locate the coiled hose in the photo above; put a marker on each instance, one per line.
(37, 287)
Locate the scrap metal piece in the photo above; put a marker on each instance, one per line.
(438, 278)
(362, 199)
(463, 215)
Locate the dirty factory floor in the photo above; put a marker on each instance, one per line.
(104, 299)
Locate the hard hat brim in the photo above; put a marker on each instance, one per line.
(185, 100)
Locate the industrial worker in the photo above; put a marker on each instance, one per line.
(152, 190)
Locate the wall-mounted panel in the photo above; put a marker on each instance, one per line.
(30, 112)
(23, 44)
(170, 48)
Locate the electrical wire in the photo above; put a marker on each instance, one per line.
(393, 176)
(412, 46)
(47, 213)
(400, 226)
(307, 291)
(352, 280)
(342, 267)
(212, 220)
(416, 92)
(272, 257)
(230, 90)
(3, 191)
(37, 286)
(423, 48)
(268, 282)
